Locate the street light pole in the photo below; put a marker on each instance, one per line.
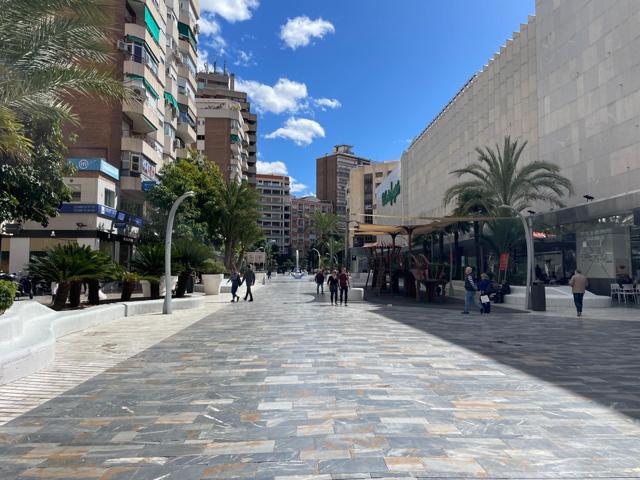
(528, 235)
(318, 252)
(166, 307)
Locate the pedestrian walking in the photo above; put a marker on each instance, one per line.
(249, 280)
(470, 288)
(579, 284)
(319, 282)
(344, 285)
(236, 281)
(332, 281)
(484, 286)
(269, 274)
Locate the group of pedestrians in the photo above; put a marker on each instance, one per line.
(336, 282)
(236, 279)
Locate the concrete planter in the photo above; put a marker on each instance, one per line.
(146, 288)
(174, 281)
(211, 283)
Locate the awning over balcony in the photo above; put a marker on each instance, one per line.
(150, 89)
(152, 25)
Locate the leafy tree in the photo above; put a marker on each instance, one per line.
(196, 219)
(238, 213)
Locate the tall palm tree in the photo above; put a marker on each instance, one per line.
(498, 179)
(238, 212)
(51, 50)
(325, 226)
(334, 246)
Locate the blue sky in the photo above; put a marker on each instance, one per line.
(368, 73)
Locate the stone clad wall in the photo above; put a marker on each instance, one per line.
(589, 93)
(501, 100)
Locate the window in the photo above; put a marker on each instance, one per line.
(76, 192)
(109, 198)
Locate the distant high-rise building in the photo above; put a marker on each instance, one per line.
(303, 236)
(332, 177)
(275, 210)
(120, 147)
(219, 128)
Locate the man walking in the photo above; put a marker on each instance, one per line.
(344, 285)
(319, 282)
(249, 280)
(470, 289)
(579, 284)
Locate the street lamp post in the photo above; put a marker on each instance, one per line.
(166, 307)
(528, 235)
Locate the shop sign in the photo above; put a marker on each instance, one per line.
(95, 165)
(504, 260)
(390, 195)
(148, 185)
(148, 169)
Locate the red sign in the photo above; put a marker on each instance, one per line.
(504, 259)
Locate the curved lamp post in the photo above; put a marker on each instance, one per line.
(528, 235)
(166, 307)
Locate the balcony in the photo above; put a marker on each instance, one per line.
(141, 32)
(186, 131)
(145, 145)
(143, 116)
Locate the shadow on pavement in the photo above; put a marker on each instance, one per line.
(599, 360)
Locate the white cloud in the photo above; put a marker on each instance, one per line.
(208, 26)
(271, 168)
(297, 32)
(203, 58)
(296, 187)
(285, 96)
(230, 10)
(244, 59)
(301, 130)
(325, 103)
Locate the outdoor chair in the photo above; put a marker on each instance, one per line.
(628, 290)
(615, 291)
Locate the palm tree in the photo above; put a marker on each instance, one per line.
(148, 261)
(325, 226)
(188, 257)
(51, 51)
(68, 265)
(238, 211)
(499, 180)
(334, 246)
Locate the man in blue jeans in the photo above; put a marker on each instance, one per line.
(470, 289)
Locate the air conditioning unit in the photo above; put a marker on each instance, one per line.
(122, 45)
(135, 162)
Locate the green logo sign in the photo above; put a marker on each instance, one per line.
(390, 195)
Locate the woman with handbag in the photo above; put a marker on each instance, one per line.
(484, 286)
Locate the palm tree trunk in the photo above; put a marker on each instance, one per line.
(155, 289)
(61, 296)
(74, 294)
(228, 253)
(127, 291)
(181, 286)
(94, 295)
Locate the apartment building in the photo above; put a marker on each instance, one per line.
(361, 199)
(275, 210)
(303, 236)
(121, 147)
(215, 135)
(332, 177)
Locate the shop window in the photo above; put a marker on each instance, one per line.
(76, 193)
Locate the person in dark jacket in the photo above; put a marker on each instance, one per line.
(249, 280)
(484, 286)
(470, 288)
(236, 281)
(319, 282)
(343, 279)
(332, 281)
(27, 286)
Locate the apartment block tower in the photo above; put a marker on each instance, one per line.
(332, 177)
(303, 236)
(275, 210)
(227, 130)
(120, 147)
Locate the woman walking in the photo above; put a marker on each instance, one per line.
(332, 281)
(344, 285)
(236, 281)
(484, 285)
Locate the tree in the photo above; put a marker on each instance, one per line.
(195, 220)
(334, 246)
(238, 214)
(325, 226)
(148, 261)
(499, 180)
(247, 238)
(51, 51)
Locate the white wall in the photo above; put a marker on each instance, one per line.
(18, 254)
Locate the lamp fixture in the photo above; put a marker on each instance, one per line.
(531, 212)
(588, 198)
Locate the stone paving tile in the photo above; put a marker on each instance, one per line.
(287, 388)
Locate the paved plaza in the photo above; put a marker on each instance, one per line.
(291, 388)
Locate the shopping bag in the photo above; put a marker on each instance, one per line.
(484, 298)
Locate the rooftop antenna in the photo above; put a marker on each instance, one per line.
(215, 64)
(225, 67)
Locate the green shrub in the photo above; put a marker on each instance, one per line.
(212, 267)
(7, 295)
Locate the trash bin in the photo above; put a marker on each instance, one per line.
(538, 299)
